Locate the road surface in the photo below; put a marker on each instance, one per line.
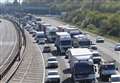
(8, 41)
(32, 69)
(106, 49)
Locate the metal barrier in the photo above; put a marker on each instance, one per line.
(16, 52)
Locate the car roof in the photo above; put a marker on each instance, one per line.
(51, 57)
(52, 70)
(95, 52)
(80, 36)
(112, 76)
(80, 51)
(118, 44)
(62, 33)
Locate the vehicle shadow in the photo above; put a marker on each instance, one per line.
(68, 80)
(67, 71)
(54, 53)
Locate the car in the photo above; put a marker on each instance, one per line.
(53, 76)
(46, 49)
(34, 33)
(117, 47)
(115, 78)
(106, 69)
(93, 47)
(96, 57)
(99, 39)
(52, 62)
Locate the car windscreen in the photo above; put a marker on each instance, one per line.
(115, 79)
(96, 55)
(53, 73)
(83, 68)
(66, 42)
(87, 42)
(109, 67)
(52, 33)
(41, 36)
(53, 59)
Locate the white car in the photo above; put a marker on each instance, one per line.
(53, 77)
(52, 62)
(115, 78)
(99, 39)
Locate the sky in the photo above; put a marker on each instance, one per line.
(4, 1)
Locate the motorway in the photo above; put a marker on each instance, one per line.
(31, 69)
(8, 41)
(106, 49)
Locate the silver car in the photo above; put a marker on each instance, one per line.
(52, 62)
(53, 77)
(117, 47)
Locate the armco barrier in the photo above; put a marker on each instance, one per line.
(15, 54)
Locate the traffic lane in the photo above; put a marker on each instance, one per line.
(8, 40)
(62, 68)
(107, 48)
(31, 69)
(63, 65)
(46, 56)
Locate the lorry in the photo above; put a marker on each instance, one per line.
(106, 69)
(81, 41)
(50, 32)
(43, 26)
(81, 65)
(63, 42)
(72, 30)
(40, 37)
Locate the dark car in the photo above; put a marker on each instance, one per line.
(46, 49)
(117, 47)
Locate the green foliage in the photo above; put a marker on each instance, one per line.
(102, 18)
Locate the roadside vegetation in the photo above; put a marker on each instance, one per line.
(97, 16)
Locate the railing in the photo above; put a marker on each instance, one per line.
(16, 53)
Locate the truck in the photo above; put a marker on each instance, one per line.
(81, 41)
(40, 37)
(72, 30)
(106, 69)
(50, 33)
(81, 65)
(43, 26)
(63, 42)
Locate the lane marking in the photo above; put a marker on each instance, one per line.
(43, 64)
(28, 67)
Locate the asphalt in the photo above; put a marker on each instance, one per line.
(32, 69)
(8, 40)
(106, 49)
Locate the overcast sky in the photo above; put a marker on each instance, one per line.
(3, 1)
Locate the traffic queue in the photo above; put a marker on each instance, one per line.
(85, 60)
